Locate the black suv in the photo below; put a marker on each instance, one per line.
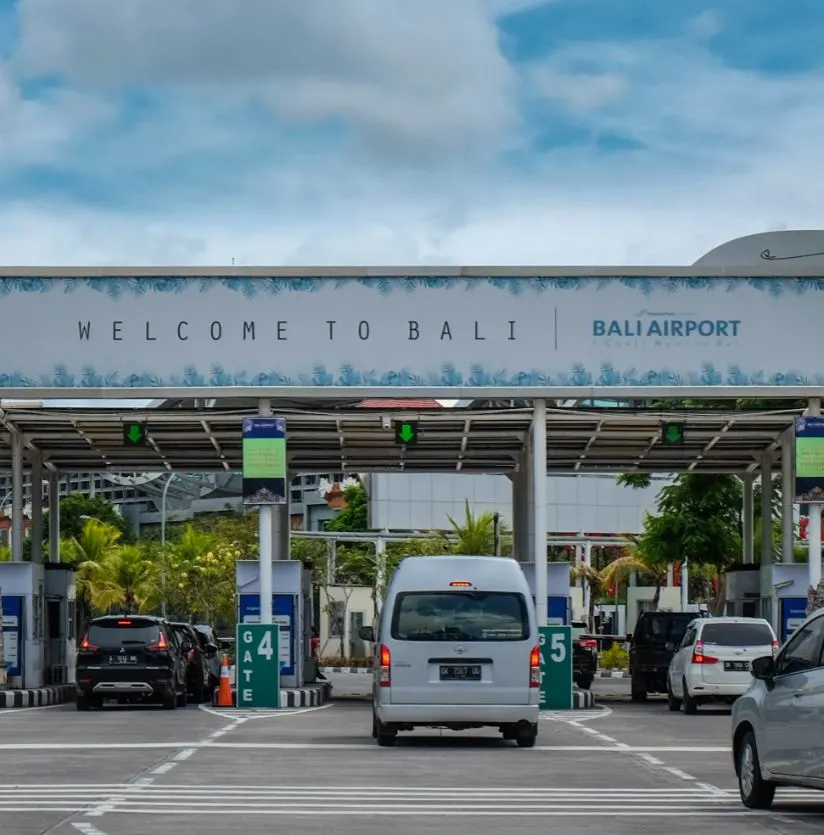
(652, 646)
(131, 658)
(198, 673)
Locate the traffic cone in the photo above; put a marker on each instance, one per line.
(224, 693)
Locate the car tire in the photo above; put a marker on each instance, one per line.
(638, 689)
(170, 701)
(585, 682)
(386, 736)
(374, 726)
(182, 698)
(528, 737)
(755, 791)
(82, 702)
(690, 704)
(673, 703)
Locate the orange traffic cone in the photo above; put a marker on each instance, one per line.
(224, 693)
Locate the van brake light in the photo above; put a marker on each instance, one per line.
(698, 656)
(588, 643)
(385, 668)
(462, 584)
(535, 667)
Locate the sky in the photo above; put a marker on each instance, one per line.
(393, 132)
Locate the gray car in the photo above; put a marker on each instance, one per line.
(775, 724)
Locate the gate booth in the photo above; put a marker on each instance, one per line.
(557, 587)
(291, 610)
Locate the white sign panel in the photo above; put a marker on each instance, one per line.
(10, 648)
(144, 333)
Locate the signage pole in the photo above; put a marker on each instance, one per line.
(814, 527)
(539, 508)
(266, 544)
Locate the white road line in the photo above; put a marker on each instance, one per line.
(676, 772)
(274, 713)
(184, 754)
(10, 711)
(165, 768)
(87, 829)
(650, 759)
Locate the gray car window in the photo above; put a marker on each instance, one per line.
(803, 651)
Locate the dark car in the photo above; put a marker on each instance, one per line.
(130, 659)
(652, 645)
(210, 644)
(584, 660)
(197, 663)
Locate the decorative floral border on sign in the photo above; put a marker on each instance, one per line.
(448, 376)
(116, 288)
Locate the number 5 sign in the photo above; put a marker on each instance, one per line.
(257, 665)
(555, 643)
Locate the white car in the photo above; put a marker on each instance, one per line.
(712, 662)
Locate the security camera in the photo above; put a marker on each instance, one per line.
(386, 422)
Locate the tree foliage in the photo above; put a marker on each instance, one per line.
(354, 518)
(76, 509)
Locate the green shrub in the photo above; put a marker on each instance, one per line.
(614, 658)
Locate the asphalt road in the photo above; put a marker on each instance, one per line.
(622, 769)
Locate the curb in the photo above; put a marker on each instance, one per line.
(582, 700)
(612, 674)
(313, 695)
(39, 697)
(362, 670)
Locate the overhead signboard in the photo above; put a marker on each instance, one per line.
(809, 460)
(264, 461)
(551, 332)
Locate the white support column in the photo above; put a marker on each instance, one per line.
(54, 517)
(787, 495)
(528, 547)
(539, 509)
(587, 558)
(16, 497)
(520, 513)
(766, 509)
(685, 586)
(748, 519)
(814, 527)
(37, 508)
(266, 539)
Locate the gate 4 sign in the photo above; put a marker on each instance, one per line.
(555, 643)
(258, 665)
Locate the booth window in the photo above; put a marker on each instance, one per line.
(53, 619)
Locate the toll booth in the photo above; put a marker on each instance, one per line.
(22, 589)
(744, 592)
(557, 590)
(60, 624)
(788, 586)
(291, 610)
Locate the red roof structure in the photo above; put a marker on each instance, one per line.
(399, 404)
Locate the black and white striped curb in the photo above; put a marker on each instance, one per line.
(582, 700)
(612, 674)
(39, 697)
(313, 695)
(327, 670)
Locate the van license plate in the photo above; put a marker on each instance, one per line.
(736, 666)
(461, 672)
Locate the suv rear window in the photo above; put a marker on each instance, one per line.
(123, 632)
(737, 634)
(460, 616)
(660, 627)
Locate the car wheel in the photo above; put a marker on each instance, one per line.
(170, 701)
(673, 703)
(374, 727)
(82, 702)
(386, 736)
(690, 704)
(639, 689)
(182, 698)
(527, 737)
(755, 791)
(585, 682)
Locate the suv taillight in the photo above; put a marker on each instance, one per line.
(87, 646)
(698, 656)
(160, 645)
(588, 643)
(385, 668)
(535, 667)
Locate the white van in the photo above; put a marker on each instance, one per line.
(456, 647)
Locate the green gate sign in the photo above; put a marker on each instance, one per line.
(257, 665)
(555, 643)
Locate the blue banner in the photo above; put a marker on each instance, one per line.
(558, 611)
(793, 614)
(264, 461)
(13, 643)
(283, 613)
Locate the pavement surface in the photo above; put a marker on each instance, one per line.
(622, 768)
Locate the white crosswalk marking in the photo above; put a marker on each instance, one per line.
(460, 801)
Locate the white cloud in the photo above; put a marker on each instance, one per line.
(427, 75)
(706, 25)
(579, 92)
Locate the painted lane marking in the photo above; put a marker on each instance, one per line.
(274, 713)
(184, 754)
(165, 768)
(10, 711)
(650, 759)
(87, 829)
(676, 772)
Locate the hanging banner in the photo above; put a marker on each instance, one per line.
(264, 461)
(809, 460)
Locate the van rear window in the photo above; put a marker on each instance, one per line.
(460, 616)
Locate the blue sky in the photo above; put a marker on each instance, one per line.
(399, 132)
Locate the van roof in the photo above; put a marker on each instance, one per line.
(437, 571)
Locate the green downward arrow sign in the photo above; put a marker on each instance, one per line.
(407, 432)
(135, 433)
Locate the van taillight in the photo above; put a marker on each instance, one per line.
(160, 645)
(87, 646)
(698, 656)
(535, 667)
(385, 668)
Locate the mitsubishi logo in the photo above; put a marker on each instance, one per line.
(460, 650)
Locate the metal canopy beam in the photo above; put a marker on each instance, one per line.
(463, 440)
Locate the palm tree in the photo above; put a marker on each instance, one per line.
(619, 569)
(123, 580)
(594, 580)
(476, 536)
